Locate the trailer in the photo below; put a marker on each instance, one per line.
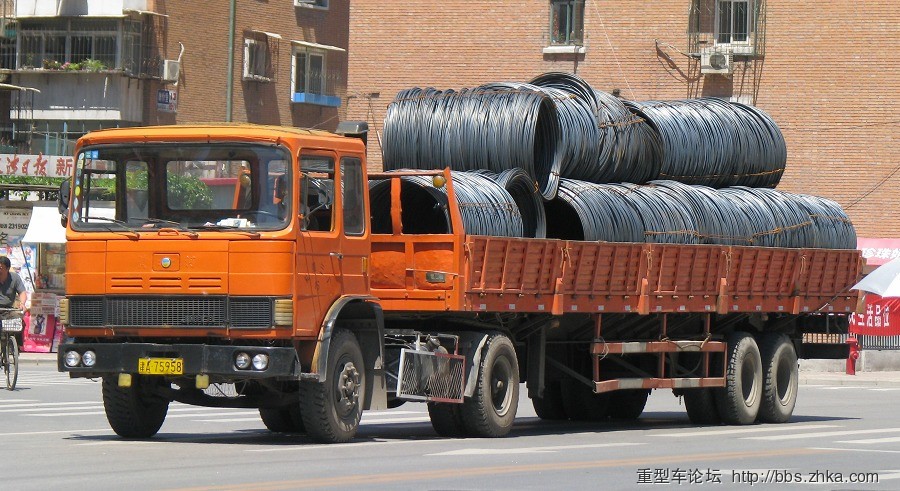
(242, 269)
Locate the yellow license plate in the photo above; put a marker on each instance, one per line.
(161, 366)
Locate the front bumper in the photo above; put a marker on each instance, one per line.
(114, 358)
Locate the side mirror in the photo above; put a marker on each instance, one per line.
(62, 202)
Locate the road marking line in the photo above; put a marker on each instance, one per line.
(3, 403)
(32, 409)
(893, 439)
(526, 450)
(42, 404)
(82, 413)
(823, 433)
(435, 439)
(204, 415)
(373, 421)
(72, 432)
(750, 429)
(842, 449)
(393, 479)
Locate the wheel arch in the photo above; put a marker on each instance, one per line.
(364, 317)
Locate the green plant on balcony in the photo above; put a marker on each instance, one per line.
(51, 65)
(93, 65)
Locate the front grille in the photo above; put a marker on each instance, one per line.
(171, 311)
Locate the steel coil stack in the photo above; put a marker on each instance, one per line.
(603, 140)
(485, 206)
(482, 128)
(528, 199)
(716, 143)
(673, 212)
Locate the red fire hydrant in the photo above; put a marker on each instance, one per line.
(853, 356)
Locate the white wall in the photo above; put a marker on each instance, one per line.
(83, 96)
(95, 8)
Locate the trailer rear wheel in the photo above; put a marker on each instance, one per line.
(781, 378)
(701, 407)
(282, 420)
(446, 419)
(738, 402)
(582, 404)
(134, 412)
(550, 407)
(331, 411)
(628, 404)
(492, 408)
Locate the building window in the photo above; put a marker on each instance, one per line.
(257, 60)
(322, 4)
(566, 22)
(68, 43)
(733, 21)
(310, 80)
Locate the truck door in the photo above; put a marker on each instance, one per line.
(319, 241)
(355, 238)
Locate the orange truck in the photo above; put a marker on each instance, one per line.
(238, 266)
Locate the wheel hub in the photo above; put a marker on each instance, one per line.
(348, 387)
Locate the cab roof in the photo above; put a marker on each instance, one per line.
(213, 132)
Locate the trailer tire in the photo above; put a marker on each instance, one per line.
(738, 402)
(781, 378)
(550, 407)
(701, 407)
(282, 419)
(582, 404)
(491, 410)
(133, 412)
(446, 419)
(331, 410)
(628, 404)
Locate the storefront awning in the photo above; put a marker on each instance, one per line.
(44, 227)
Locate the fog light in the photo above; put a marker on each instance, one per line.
(89, 358)
(260, 361)
(242, 361)
(72, 359)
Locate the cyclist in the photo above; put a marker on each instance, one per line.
(12, 288)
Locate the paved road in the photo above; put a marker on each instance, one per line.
(54, 435)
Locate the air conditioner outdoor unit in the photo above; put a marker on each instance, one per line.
(171, 70)
(715, 62)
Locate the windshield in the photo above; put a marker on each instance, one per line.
(181, 186)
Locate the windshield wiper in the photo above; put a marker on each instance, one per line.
(174, 225)
(120, 223)
(230, 228)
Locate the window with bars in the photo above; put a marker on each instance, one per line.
(566, 22)
(259, 59)
(310, 78)
(69, 43)
(733, 21)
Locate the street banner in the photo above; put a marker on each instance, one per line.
(881, 317)
(878, 251)
(13, 164)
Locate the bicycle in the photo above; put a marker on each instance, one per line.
(9, 347)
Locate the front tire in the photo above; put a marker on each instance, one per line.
(12, 362)
(781, 379)
(492, 408)
(134, 412)
(331, 411)
(738, 402)
(283, 419)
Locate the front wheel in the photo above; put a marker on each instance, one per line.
(492, 408)
(134, 412)
(282, 419)
(11, 367)
(331, 411)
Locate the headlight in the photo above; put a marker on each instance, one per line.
(89, 358)
(242, 361)
(260, 362)
(73, 358)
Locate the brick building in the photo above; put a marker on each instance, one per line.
(108, 63)
(827, 72)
